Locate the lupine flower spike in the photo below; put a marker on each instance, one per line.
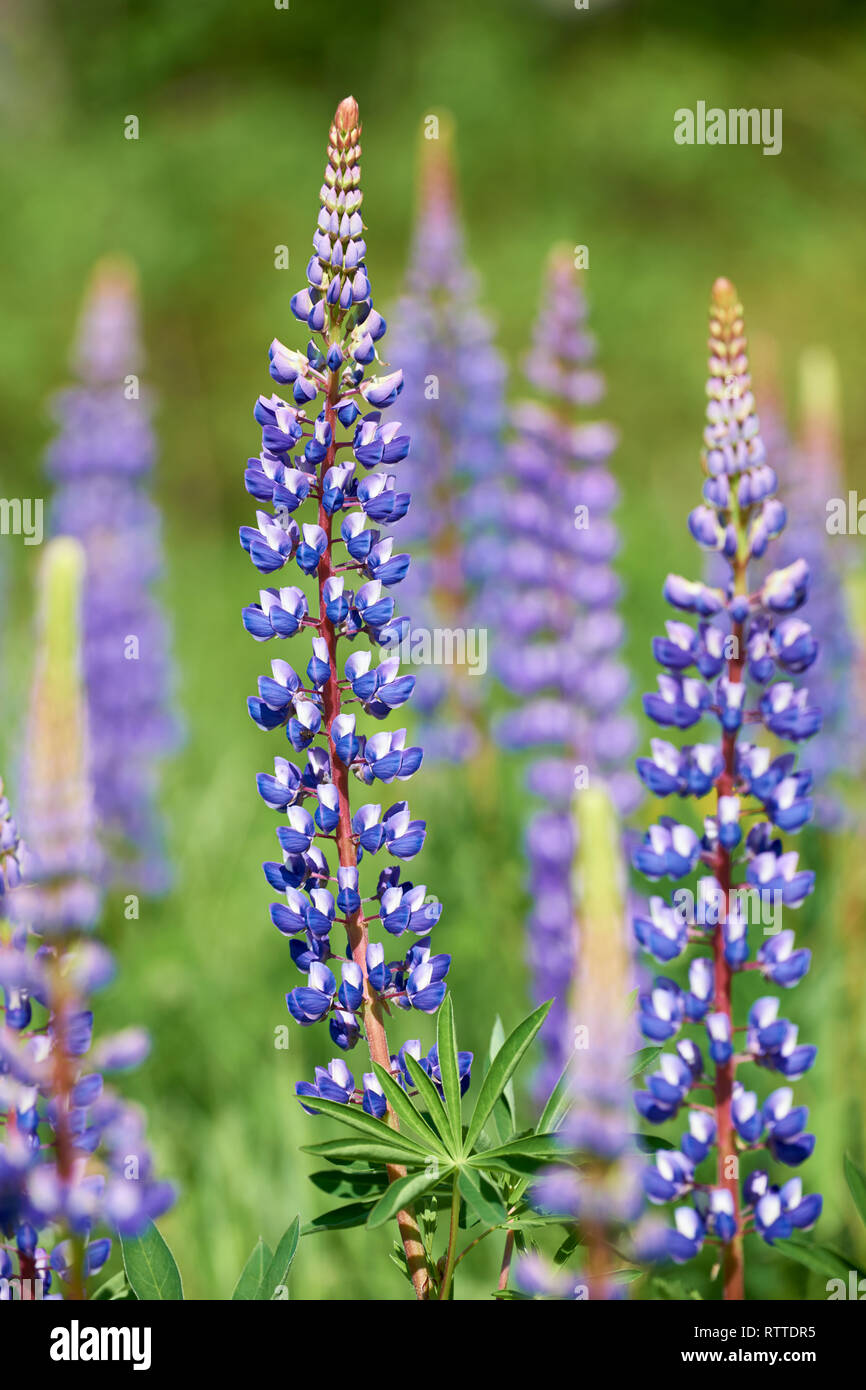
(453, 410)
(330, 448)
(603, 1195)
(73, 1157)
(738, 668)
(558, 628)
(101, 461)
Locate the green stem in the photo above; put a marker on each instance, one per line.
(452, 1238)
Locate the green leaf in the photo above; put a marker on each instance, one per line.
(497, 1038)
(856, 1180)
(482, 1198)
(339, 1218)
(355, 1183)
(558, 1103)
(651, 1143)
(356, 1118)
(150, 1266)
(446, 1042)
(519, 1155)
(249, 1282)
(277, 1273)
(367, 1150)
(501, 1070)
(643, 1060)
(567, 1248)
(403, 1192)
(116, 1289)
(819, 1258)
(408, 1114)
(430, 1097)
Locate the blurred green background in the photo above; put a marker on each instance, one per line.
(565, 131)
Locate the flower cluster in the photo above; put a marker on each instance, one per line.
(736, 666)
(558, 630)
(453, 410)
(73, 1156)
(101, 461)
(330, 446)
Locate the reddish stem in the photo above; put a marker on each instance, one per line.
(728, 1161)
(356, 925)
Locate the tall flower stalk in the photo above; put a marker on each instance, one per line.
(602, 1194)
(453, 409)
(332, 451)
(558, 628)
(101, 461)
(745, 637)
(73, 1157)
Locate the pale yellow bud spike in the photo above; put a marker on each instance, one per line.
(820, 403)
(58, 802)
(601, 989)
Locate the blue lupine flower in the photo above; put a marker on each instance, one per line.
(325, 712)
(552, 596)
(101, 461)
(453, 408)
(73, 1157)
(747, 635)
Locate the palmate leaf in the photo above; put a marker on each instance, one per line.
(856, 1180)
(497, 1038)
(405, 1191)
(358, 1184)
(363, 1150)
(409, 1116)
(449, 1069)
(504, 1115)
(428, 1094)
(150, 1266)
(340, 1218)
(482, 1198)
(521, 1156)
(558, 1103)
(247, 1287)
(501, 1070)
(356, 1118)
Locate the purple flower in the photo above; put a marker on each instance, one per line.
(748, 632)
(328, 508)
(552, 594)
(453, 407)
(101, 462)
(73, 1156)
